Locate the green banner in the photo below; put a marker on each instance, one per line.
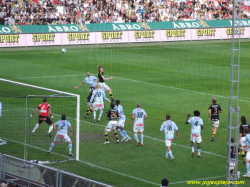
(95, 27)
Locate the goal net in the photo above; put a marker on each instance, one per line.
(19, 101)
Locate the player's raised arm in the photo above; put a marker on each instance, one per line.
(79, 85)
(34, 112)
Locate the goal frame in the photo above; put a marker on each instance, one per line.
(58, 92)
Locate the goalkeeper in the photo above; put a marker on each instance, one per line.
(44, 113)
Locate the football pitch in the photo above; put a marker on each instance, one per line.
(173, 78)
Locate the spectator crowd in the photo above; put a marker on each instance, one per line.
(53, 12)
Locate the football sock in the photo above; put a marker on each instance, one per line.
(142, 137)
(247, 167)
(120, 132)
(50, 129)
(100, 115)
(170, 153)
(166, 152)
(70, 148)
(111, 95)
(35, 127)
(243, 155)
(192, 149)
(199, 151)
(136, 137)
(116, 136)
(51, 146)
(106, 136)
(213, 135)
(125, 134)
(94, 114)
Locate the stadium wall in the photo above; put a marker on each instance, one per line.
(42, 35)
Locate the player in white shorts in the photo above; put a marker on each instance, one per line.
(98, 95)
(138, 117)
(112, 115)
(248, 152)
(169, 128)
(102, 81)
(62, 133)
(196, 126)
(121, 122)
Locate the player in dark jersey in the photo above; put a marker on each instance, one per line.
(44, 113)
(213, 113)
(112, 115)
(242, 137)
(102, 83)
(233, 153)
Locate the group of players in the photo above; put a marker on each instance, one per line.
(95, 102)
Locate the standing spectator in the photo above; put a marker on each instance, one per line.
(44, 113)
(196, 127)
(112, 115)
(242, 136)
(62, 133)
(138, 117)
(169, 128)
(213, 113)
(11, 20)
(248, 152)
(59, 7)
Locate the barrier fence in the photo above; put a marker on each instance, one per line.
(21, 173)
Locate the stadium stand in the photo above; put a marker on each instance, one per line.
(52, 12)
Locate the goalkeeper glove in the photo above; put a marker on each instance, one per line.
(31, 115)
(51, 116)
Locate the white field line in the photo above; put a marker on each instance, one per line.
(176, 88)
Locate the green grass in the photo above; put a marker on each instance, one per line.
(173, 78)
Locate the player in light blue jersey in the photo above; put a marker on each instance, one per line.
(98, 95)
(91, 81)
(121, 122)
(169, 128)
(196, 127)
(247, 148)
(138, 117)
(62, 133)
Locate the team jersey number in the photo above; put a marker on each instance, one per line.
(215, 110)
(170, 127)
(196, 123)
(139, 114)
(98, 94)
(113, 115)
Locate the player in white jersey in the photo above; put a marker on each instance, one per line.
(196, 127)
(98, 95)
(91, 81)
(121, 122)
(248, 152)
(62, 133)
(138, 117)
(169, 128)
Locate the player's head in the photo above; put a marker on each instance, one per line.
(214, 100)
(138, 105)
(232, 139)
(196, 113)
(246, 130)
(168, 117)
(100, 68)
(112, 105)
(117, 102)
(164, 182)
(63, 117)
(45, 100)
(97, 86)
(88, 74)
(243, 120)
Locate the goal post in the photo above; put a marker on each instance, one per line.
(19, 100)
